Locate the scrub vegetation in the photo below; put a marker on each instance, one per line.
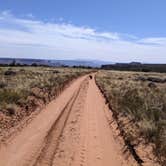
(24, 90)
(138, 102)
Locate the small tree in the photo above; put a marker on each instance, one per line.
(13, 63)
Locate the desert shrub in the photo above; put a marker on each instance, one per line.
(9, 73)
(3, 85)
(11, 111)
(152, 85)
(132, 103)
(144, 104)
(9, 96)
(55, 72)
(22, 70)
(155, 79)
(160, 148)
(148, 130)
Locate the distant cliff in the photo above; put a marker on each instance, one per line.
(136, 66)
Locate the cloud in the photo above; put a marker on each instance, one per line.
(6, 13)
(156, 41)
(28, 37)
(30, 15)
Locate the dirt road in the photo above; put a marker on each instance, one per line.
(71, 131)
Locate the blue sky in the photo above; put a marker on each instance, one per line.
(113, 30)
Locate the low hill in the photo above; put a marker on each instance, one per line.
(21, 61)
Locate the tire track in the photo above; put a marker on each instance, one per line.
(47, 152)
(70, 138)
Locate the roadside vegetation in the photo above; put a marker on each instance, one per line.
(24, 90)
(138, 102)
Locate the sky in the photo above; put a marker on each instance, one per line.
(109, 30)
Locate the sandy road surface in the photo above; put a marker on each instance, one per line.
(71, 131)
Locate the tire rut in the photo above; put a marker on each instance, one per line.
(47, 152)
(70, 139)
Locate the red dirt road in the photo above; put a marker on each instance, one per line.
(71, 131)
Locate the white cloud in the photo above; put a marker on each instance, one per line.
(155, 41)
(37, 39)
(6, 13)
(30, 15)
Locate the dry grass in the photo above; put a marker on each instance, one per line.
(23, 89)
(140, 99)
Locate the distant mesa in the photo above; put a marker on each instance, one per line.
(135, 66)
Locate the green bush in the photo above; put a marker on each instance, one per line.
(9, 96)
